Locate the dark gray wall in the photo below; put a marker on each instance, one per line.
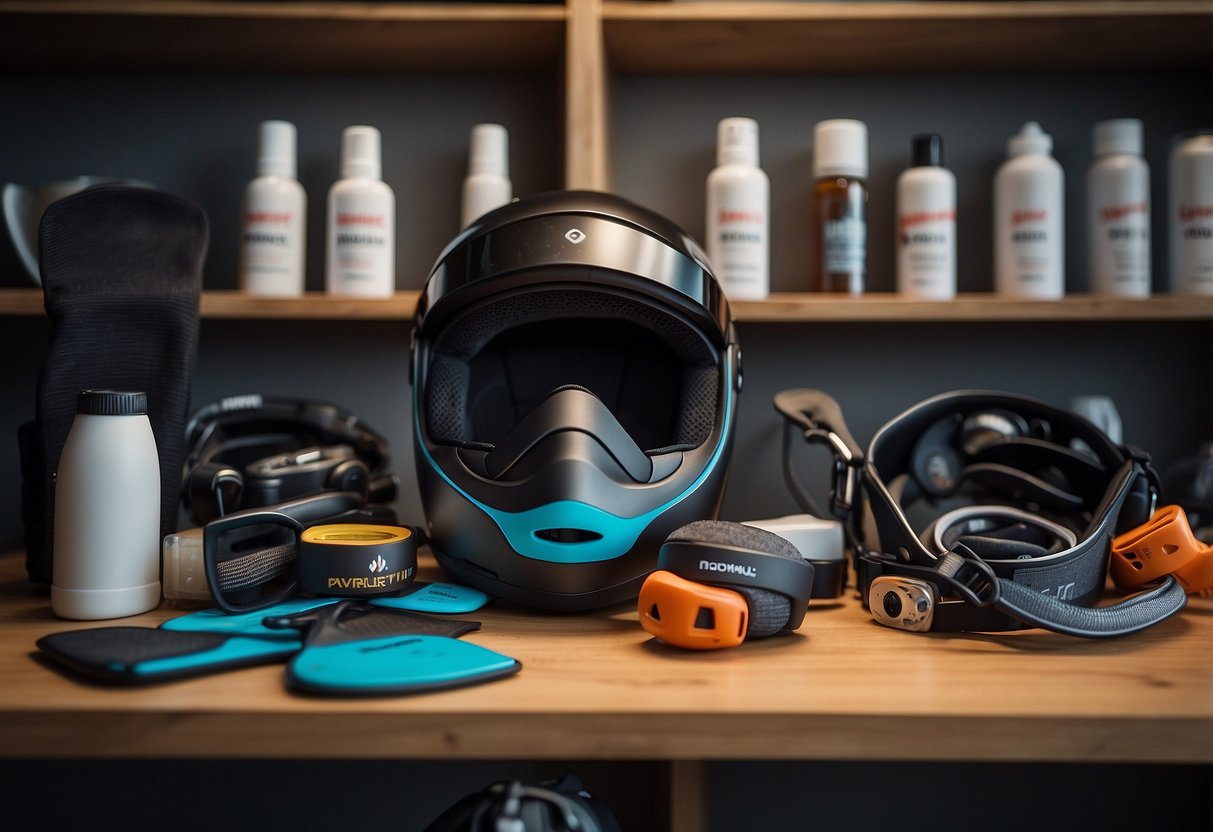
(196, 135)
(664, 145)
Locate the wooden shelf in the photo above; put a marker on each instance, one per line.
(788, 307)
(890, 308)
(596, 686)
(238, 305)
(1012, 36)
(312, 306)
(188, 35)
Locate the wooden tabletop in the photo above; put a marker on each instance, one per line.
(596, 686)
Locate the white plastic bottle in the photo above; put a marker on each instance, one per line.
(738, 213)
(1191, 212)
(361, 221)
(487, 185)
(107, 510)
(926, 224)
(1029, 247)
(1118, 211)
(273, 242)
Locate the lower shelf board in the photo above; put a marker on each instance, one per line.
(595, 686)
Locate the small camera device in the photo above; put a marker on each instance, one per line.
(903, 603)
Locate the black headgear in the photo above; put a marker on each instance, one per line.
(1014, 505)
(250, 451)
(575, 377)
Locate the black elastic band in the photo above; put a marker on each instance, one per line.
(1129, 616)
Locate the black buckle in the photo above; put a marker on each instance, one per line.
(959, 574)
(847, 467)
(969, 577)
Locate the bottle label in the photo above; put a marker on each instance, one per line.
(740, 252)
(1034, 253)
(362, 249)
(846, 243)
(272, 248)
(1195, 248)
(926, 252)
(1121, 256)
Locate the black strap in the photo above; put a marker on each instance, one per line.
(967, 576)
(1129, 616)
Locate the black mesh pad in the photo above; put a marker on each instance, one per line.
(494, 364)
(122, 271)
(769, 611)
(125, 645)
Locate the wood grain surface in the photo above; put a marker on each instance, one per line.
(595, 685)
(786, 307)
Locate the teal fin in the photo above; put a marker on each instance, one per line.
(447, 599)
(395, 665)
(247, 623)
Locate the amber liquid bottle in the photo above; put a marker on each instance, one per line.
(839, 236)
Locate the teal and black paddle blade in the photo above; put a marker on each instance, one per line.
(145, 655)
(442, 598)
(355, 649)
(245, 623)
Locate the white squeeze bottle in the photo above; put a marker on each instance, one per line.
(273, 241)
(1118, 211)
(361, 221)
(738, 213)
(1190, 214)
(926, 224)
(487, 185)
(107, 510)
(1029, 249)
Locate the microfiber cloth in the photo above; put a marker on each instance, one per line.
(122, 273)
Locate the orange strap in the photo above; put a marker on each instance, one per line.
(1163, 545)
(690, 614)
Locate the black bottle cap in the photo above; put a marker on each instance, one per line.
(112, 403)
(928, 150)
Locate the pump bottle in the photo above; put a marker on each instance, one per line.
(926, 224)
(1029, 251)
(738, 213)
(1118, 211)
(839, 240)
(487, 185)
(361, 221)
(273, 242)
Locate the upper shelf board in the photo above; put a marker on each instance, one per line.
(187, 35)
(1010, 36)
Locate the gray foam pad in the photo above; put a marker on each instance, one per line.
(769, 610)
